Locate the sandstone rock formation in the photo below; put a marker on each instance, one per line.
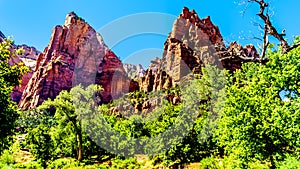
(75, 55)
(189, 46)
(192, 44)
(233, 57)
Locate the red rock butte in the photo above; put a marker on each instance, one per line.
(76, 54)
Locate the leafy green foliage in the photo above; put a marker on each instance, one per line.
(60, 136)
(257, 120)
(8, 157)
(40, 144)
(258, 124)
(130, 163)
(290, 162)
(32, 118)
(29, 165)
(9, 77)
(201, 99)
(64, 163)
(210, 162)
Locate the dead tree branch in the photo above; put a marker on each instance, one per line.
(271, 30)
(266, 42)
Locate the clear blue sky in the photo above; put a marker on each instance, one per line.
(31, 22)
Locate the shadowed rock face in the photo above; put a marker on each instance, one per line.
(233, 52)
(75, 55)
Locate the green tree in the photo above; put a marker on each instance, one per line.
(261, 119)
(69, 137)
(10, 76)
(203, 97)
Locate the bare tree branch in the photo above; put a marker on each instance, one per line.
(271, 30)
(293, 47)
(240, 55)
(253, 37)
(245, 58)
(266, 42)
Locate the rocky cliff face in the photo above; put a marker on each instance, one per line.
(233, 57)
(192, 44)
(76, 54)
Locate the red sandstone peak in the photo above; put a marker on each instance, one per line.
(189, 22)
(75, 53)
(192, 44)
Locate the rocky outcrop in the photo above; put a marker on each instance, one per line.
(233, 57)
(189, 46)
(75, 55)
(29, 55)
(134, 71)
(192, 44)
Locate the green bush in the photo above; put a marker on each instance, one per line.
(259, 165)
(30, 165)
(210, 163)
(64, 163)
(40, 144)
(8, 157)
(290, 162)
(9, 77)
(130, 163)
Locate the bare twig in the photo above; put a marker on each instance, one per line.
(258, 25)
(266, 42)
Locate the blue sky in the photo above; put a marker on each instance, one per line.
(31, 22)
